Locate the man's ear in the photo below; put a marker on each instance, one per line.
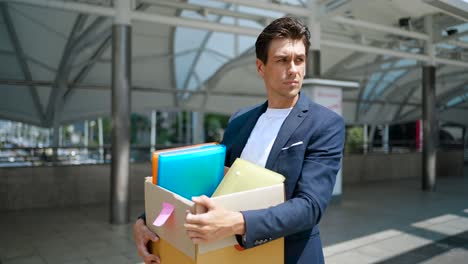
(260, 67)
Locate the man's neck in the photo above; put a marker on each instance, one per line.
(283, 102)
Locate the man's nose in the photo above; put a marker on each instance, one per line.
(292, 69)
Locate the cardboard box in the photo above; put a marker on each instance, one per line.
(176, 247)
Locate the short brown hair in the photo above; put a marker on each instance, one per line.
(285, 27)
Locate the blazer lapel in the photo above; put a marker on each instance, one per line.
(245, 130)
(290, 124)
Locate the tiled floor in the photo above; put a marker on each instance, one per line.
(394, 222)
(385, 222)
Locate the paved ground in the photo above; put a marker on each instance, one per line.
(384, 222)
(394, 222)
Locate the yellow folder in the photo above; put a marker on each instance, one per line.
(244, 175)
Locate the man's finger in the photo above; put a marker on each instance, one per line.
(192, 227)
(152, 236)
(195, 219)
(205, 201)
(194, 234)
(142, 251)
(197, 240)
(148, 257)
(151, 259)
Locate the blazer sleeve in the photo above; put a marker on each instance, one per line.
(311, 194)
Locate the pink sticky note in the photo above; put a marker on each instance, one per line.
(165, 213)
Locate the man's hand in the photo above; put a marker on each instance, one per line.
(142, 236)
(217, 223)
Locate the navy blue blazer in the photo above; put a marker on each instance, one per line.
(307, 151)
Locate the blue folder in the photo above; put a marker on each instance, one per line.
(193, 171)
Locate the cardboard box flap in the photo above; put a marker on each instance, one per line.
(173, 230)
(247, 200)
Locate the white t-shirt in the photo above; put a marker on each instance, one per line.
(263, 135)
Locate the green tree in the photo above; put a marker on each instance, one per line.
(214, 127)
(354, 140)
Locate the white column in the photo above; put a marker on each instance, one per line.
(86, 133)
(465, 146)
(188, 128)
(430, 122)
(60, 136)
(386, 139)
(198, 127)
(86, 137)
(313, 68)
(331, 98)
(121, 108)
(180, 125)
(366, 139)
(101, 139)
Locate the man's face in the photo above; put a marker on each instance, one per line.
(284, 71)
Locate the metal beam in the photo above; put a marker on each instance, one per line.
(375, 50)
(246, 58)
(415, 84)
(382, 51)
(41, 64)
(361, 94)
(451, 37)
(461, 44)
(408, 96)
(141, 16)
(30, 59)
(441, 98)
(378, 27)
(21, 57)
(121, 109)
(61, 79)
(430, 130)
(197, 57)
(86, 86)
(89, 36)
(288, 9)
(70, 6)
(376, 67)
(206, 25)
(206, 9)
(86, 69)
(193, 23)
(7, 52)
(340, 66)
(95, 56)
(458, 90)
(371, 65)
(442, 77)
(382, 76)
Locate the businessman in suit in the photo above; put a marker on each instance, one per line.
(288, 134)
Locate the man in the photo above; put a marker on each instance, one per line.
(288, 134)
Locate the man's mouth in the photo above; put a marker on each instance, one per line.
(292, 82)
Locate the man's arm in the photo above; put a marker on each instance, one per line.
(312, 192)
(217, 223)
(142, 236)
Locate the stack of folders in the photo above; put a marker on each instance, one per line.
(244, 175)
(190, 171)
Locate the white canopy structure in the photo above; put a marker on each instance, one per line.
(71, 60)
(198, 55)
